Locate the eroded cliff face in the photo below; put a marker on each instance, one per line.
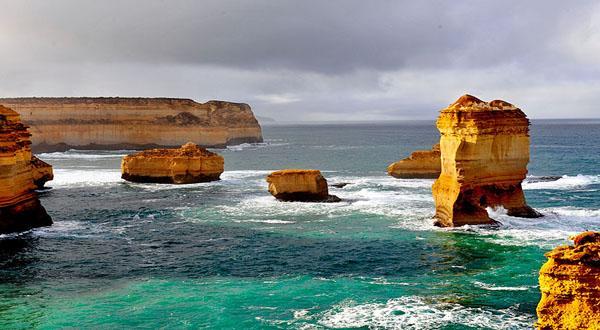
(41, 172)
(299, 185)
(570, 285)
(20, 208)
(421, 164)
(484, 155)
(137, 123)
(188, 164)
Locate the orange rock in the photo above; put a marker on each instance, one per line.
(42, 172)
(20, 208)
(570, 285)
(59, 124)
(484, 151)
(424, 164)
(300, 186)
(188, 164)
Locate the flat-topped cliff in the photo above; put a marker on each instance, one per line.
(20, 208)
(484, 151)
(117, 123)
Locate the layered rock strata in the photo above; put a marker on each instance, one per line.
(20, 208)
(41, 172)
(421, 164)
(296, 185)
(570, 285)
(59, 124)
(188, 164)
(484, 151)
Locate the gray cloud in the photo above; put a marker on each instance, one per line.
(309, 60)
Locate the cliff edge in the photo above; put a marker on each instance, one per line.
(59, 124)
(20, 208)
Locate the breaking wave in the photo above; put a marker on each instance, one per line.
(565, 182)
(414, 312)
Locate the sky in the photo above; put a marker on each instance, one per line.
(310, 60)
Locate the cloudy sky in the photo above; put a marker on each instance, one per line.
(310, 60)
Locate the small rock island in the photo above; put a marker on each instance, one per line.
(484, 152)
(421, 164)
(297, 185)
(20, 208)
(188, 164)
(570, 285)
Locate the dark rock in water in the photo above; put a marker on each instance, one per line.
(548, 178)
(340, 184)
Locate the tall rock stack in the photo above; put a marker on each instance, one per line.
(570, 285)
(20, 208)
(484, 150)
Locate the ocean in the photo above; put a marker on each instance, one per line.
(226, 255)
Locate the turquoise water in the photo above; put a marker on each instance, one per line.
(227, 255)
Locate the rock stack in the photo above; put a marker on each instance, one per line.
(188, 164)
(570, 285)
(294, 185)
(484, 154)
(20, 208)
(421, 164)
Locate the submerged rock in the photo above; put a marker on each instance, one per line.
(340, 184)
(20, 208)
(484, 150)
(421, 164)
(188, 164)
(570, 285)
(295, 185)
(42, 172)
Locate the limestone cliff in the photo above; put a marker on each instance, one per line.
(570, 285)
(188, 164)
(20, 208)
(136, 123)
(421, 164)
(484, 151)
(300, 186)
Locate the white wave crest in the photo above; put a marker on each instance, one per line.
(64, 178)
(566, 182)
(253, 146)
(552, 229)
(415, 312)
(84, 154)
(492, 287)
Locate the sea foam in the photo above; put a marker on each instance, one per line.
(566, 182)
(414, 312)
